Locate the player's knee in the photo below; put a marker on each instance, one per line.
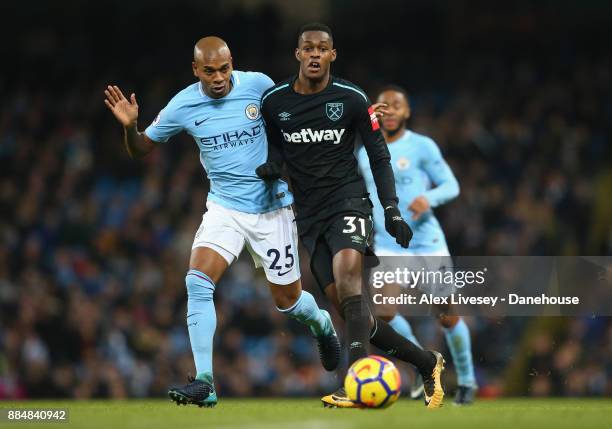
(386, 317)
(448, 320)
(199, 286)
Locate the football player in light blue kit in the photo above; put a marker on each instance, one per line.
(423, 180)
(222, 113)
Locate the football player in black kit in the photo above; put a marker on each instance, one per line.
(312, 120)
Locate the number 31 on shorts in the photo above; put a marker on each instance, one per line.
(354, 222)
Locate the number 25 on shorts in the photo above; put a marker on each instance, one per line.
(289, 259)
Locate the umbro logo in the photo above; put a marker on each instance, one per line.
(285, 116)
(357, 239)
(198, 123)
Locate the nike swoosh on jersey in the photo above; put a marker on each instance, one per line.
(197, 124)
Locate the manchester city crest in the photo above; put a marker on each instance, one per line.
(403, 163)
(334, 110)
(252, 111)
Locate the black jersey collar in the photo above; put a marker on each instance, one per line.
(329, 84)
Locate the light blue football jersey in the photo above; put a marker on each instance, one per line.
(417, 166)
(231, 137)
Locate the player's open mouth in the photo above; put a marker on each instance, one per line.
(218, 88)
(314, 66)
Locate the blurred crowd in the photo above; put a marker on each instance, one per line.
(575, 362)
(94, 246)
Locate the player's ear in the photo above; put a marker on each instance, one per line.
(194, 67)
(297, 54)
(333, 55)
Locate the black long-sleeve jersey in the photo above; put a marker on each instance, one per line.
(315, 135)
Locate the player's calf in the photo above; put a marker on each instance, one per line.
(201, 319)
(402, 327)
(457, 335)
(347, 268)
(357, 320)
(305, 310)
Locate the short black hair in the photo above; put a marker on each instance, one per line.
(397, 88)
(314, 26)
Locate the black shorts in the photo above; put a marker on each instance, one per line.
(344, 225)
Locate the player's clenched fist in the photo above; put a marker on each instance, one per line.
(397, 227)
(126, 111)
(268, 171)
(418, 206)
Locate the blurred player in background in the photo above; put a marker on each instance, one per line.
(222, 113)
(423, 181)
(312, 120)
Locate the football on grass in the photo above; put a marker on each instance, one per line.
(373, 382)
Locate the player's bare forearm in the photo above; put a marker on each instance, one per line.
(136, 143)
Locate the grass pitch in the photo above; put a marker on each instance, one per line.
(309, 414)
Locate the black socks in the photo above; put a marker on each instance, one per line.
(357, 321)
(389, 341)
(383, 336)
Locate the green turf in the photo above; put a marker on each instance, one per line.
(308, 413)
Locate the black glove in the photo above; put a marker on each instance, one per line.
(269, 171)
(397, 227)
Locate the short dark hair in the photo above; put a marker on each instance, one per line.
(314, 26)
(397, 88)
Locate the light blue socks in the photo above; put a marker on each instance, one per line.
(460, 346)
(402, 327)
(201, 320)
(306, 311)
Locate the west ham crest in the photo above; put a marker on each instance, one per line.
(334, 110)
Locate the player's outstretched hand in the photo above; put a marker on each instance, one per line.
(126, 111)
(397, 227)
(269, 171)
